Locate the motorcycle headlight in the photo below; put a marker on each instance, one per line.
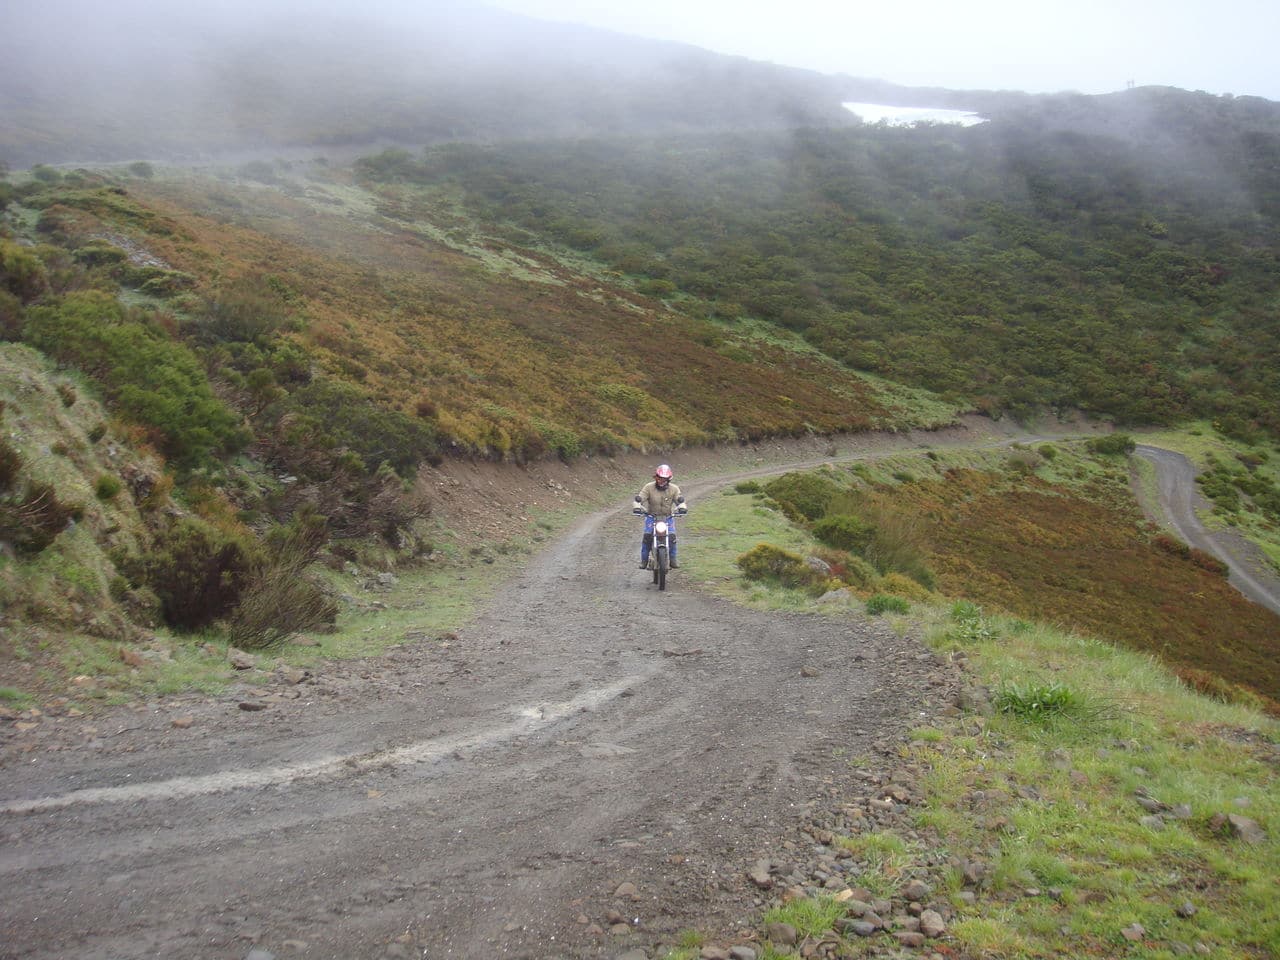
(660, 528)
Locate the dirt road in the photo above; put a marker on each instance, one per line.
(483, 797)
(1179, 500)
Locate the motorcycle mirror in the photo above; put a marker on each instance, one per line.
(637, 498)
(679, 499)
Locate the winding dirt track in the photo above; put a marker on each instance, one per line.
(473, 799)
(1179, 500)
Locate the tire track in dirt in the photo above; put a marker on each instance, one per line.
(1179, 500)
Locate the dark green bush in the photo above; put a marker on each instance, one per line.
(1113, 443)
(21, 272)
(197, 571)
(153, 380)
(329, 413)
(882, 602)
(844, 532)
(107, 487)
(747, 486)
(803, 495)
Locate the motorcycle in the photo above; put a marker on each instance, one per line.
(661, 531)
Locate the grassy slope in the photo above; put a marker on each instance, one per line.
(1072, 864)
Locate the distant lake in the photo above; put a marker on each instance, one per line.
(906, 116)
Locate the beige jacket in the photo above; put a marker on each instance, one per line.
(661, 503)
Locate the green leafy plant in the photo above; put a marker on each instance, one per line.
(885, 603)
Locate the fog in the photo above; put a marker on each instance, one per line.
(86, 81)
(1090, 46)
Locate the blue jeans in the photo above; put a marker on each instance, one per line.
(647, 542)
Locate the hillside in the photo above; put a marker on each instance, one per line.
(608, 245)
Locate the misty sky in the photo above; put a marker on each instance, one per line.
(1091, 46)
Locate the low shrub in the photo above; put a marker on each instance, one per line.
(844, 532)
(1112, 444)
(31, 519)
(197, 571)
(803, 496)
(747, 486)
(279, 599)
(766, 562)
(902, 585)
(153, 380)
(1207, 561)
(107, 487)
(885, 603)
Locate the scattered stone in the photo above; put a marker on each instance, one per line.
(1151, 804)
(809, 673)
(636, 954)
(916, 891)
(712, 952)
(781, 933)
(1186, 910)
(240, 660)
(252, 705)
(1134, 932)
(1153, 822)
(932, 925)
(1242, 828)
(819, 566)
(910, 938)
(1181, 812)
(860, 928)
(296, 946)
(182, 723)
(742, 952)
(84, 682)
(620, 929)
(759, 875)
(627, 890)
(259, 954)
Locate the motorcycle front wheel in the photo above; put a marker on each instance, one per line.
(660, 569)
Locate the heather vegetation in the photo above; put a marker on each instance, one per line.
(1010, 267)
(1059, 540)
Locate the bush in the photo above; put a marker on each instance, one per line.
(849, 569)
(154, 381)
(766, 562)
(197, 571)
(107, 487)
(30, 520)
(243, 312)
(844, 532)
(803, 496)
(1112, 444)
(902, 585)
(279, 599)
(21, 272)
(881, 603)
(329, 413)
(747, 486)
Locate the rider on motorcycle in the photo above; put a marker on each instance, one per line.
(659, 498)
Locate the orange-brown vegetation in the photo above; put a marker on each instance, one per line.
(1040, 551)
(501, 366)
